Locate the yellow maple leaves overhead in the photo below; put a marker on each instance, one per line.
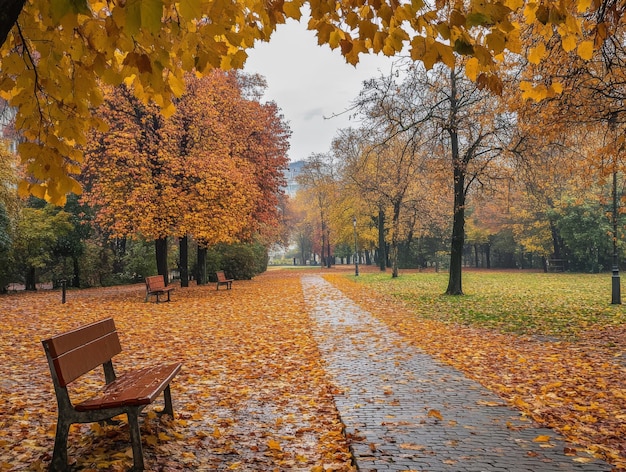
(58, 52)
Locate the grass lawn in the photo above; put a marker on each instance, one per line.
(559, 305)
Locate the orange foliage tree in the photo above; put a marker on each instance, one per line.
(201, 173)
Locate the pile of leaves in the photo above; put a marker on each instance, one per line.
(252, 394)
(545, 343)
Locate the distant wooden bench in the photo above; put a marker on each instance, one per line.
(222, 280)
(75, 353)
(556, 265)
(155, 285)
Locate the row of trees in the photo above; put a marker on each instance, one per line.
(211, 173)
(440, 165)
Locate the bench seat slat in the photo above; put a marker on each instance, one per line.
(135, 388)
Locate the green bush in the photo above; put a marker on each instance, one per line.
(139, 260)
(240, 261)
(96, 265)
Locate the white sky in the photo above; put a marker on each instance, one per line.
(309, 82)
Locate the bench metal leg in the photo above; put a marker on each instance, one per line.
(59, 456)
(135, 439)
(167, 396)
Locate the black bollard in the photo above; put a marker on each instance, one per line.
(62, 291)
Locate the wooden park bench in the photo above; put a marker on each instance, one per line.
(77, 352)
(155, 285)
(222, 280)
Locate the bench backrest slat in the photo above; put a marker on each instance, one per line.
(221, 276)
(79, 351)
(155, 282)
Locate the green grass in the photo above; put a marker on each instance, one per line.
(559, 305)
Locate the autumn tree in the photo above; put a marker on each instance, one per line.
(9, 209)
(212, 171)
(352, 147)
(228, 140)
(9, 178)
(128, 176)
(37, 234)
(319, 184)
(387, 170)
(6, 242)
(462, 124)
(587, 115)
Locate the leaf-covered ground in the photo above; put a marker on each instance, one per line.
(551, 344)
(252, 394)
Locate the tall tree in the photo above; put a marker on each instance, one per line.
(37, 234)
(211, 171)
(464, 126)
(386, 169)
(319, 183)
(128, 171)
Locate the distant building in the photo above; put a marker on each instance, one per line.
(6, 125)
(291, 175)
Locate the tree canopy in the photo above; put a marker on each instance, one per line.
(212, 170)
(55, 54)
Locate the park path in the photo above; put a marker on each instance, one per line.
(404, 411)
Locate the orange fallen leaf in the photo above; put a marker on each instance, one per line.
(435, 414)
(274, 445)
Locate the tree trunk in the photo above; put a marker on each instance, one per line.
(382, 256)
(201, 276)
(160, 246)
(394, 239)
(458, 224)
(183, 247)
(328, 249)
(76, 278)
(322, 258)
(11, 9)
(458, 234)
(31, 279)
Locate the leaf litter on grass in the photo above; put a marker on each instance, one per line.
(574, 383)
(252, 394)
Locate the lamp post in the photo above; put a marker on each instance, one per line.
(356, 250)
(616, 298)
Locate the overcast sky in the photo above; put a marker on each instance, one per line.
(309, 82)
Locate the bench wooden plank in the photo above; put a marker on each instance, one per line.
(72, 364)
(139, 387)
(62, 343)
